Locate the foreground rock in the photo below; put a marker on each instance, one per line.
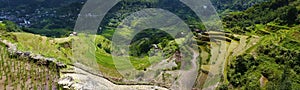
(79, 79)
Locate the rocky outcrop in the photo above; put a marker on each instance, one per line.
(263, 81)
(12, 49)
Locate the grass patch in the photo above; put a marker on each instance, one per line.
(42, 45)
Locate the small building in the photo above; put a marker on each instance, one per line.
(199, 31)
(27, 22)
(74, 34)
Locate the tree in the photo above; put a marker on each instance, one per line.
(287, 15)
(11, 26)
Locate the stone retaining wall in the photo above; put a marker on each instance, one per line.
(13, 50)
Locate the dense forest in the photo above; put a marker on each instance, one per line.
(234, 5)
(275, 14)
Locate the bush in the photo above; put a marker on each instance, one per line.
(11, 26)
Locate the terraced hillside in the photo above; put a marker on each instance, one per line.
(222, 49)
(260, 49)
(19, 73)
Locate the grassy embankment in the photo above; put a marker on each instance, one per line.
(61, 49)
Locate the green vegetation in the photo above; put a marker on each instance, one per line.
(127, 7)
(275, 15)
(147, 39)
(234, 5)
(48, 47)
(23, 73)
(55, 18)
(276, 59)
(106, 63)
(273, 63)
(9, 26)
(60, 48)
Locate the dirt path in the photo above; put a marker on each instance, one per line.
(188, 78)
(218, 55)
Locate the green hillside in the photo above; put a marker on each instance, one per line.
(234, 5)
(273, 63)
(260, 48)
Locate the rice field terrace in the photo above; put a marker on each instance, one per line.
(17, 73)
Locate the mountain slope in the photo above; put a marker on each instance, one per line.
(234, 5)
(274, 62)
(274, 15)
